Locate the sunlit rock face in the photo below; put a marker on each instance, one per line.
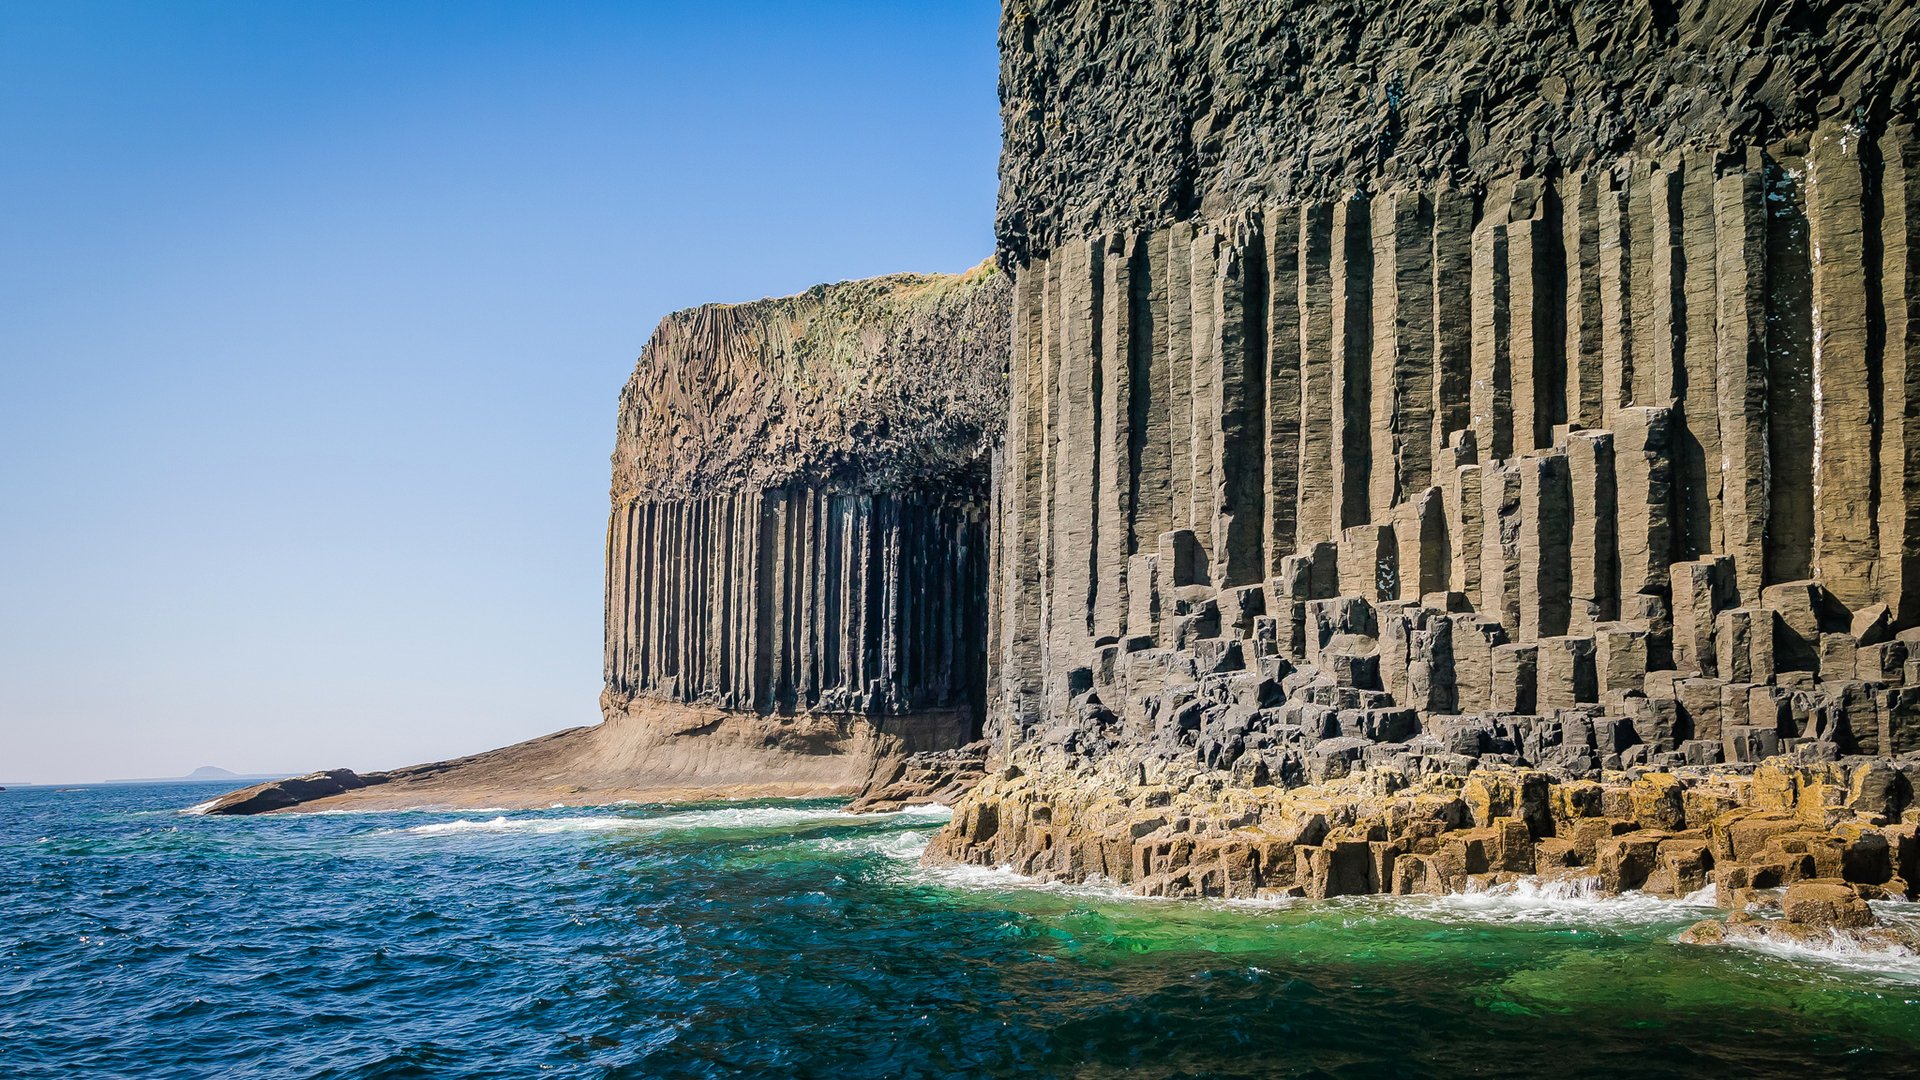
(1412, 389)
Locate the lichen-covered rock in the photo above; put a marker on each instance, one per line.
(864, 385)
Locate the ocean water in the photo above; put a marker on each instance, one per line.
(790, 939)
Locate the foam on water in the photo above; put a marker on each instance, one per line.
(756, 817)
(787, 937)
(1005, 879)
(1572, 901)
(1841, 955)
(906, 846)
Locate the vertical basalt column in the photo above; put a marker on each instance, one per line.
(746, 600)
(754, 598)
(873, 618)
(1624, 212)
(1353, 367)
(1049, 354)
(778, 579)
(1790, 390)
(1640, 245)
(678, 615)
(1845, 377)
(1318, 517)
(1546, 534)
(1204, 300)
(1697, 457)
(1452, 316)
(1464, 510)
(1595, 573)
(1534, 309)
(892, 618)
(810, 600)
(1500, 543)
(838, 660)
(1020, 590)
(1118, 446)
(689, 608)
(1402, 375)
(1283, 405)
(1585, 313)
(710, 630)
(1075, 471)
(1492, 390)
(613, 593)
(1643, 475)
(1666, 277)
(1151, 431)
(1899, 457)
(673, 581)
(645, 557)
(1179, 363)
(1740, 371)
(1239, 407)
(993, 648)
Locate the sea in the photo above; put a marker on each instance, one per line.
(792, 939)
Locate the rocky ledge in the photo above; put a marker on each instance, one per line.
(933, 776)
(1163, 828)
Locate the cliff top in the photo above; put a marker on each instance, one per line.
(857, 384)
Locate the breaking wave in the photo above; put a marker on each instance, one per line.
(733, 818)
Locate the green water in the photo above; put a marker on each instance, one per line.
(789, 939)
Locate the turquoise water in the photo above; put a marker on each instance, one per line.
(788, 939)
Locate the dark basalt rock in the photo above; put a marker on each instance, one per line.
(291, 792)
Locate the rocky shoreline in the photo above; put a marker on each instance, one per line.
(1842, 832)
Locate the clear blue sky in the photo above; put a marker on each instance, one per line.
(313, 317)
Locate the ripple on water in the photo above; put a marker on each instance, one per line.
(792, 938)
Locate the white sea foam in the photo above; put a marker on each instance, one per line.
(1004, 878)
(1838, 955)
(200, 808)
(1575, 901)
(905, 846)
(733, 817)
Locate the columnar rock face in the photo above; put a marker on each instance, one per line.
(1427, 387)
(800, 506)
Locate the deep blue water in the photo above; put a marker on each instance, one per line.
(787, 939)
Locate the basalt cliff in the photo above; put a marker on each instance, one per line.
(798, 541)
(795, 569)
(1455, 441)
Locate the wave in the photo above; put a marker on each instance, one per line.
(1575, 900)
(1005, 878)
(1840, 954)
(905, 846)
(1579, 901)
(751, 818)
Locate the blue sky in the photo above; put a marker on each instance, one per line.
(313, 317)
